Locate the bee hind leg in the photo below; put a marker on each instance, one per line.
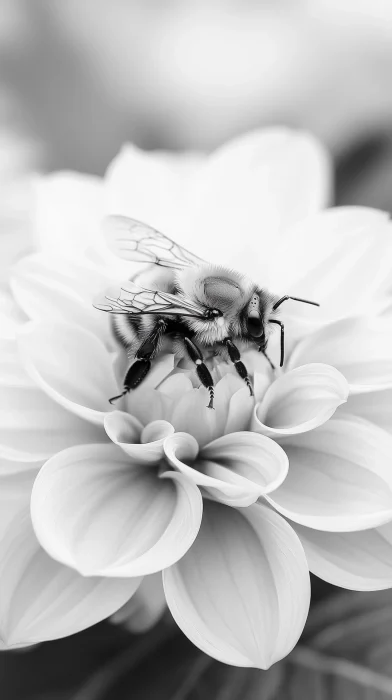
(202, 370)
(235, 357)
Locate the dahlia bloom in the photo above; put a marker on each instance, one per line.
(236, 505)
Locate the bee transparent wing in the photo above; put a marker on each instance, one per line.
(132, 240)
(136, 301)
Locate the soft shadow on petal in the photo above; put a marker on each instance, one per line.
(235, 469)
(33, 427)
(145, 608)
(95, 510)
(48, 288)
(375, 406)
(249, 192)
(72, 366)
(361, 561)
(143, 445)
(15, 493)
(191, 415)
(340, 258)
(42, 599)
(300, 400)
(242, 592)
(340, 477)
(147, 405)
(361, 348)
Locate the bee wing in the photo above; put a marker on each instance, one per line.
(136, 301)
(132, 240)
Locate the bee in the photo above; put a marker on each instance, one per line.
(189, 307)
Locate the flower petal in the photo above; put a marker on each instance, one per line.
(235, 469)
(241, 593)
(145, 608)
(339, 478)
(68, 212)
(360, 348)
(360, 561)
(42, 599)
(375, 406)
(152, 187)
(94, 510)
(143, 445)
(340, 258)
(46, 287)
(300, 400)
(72, 366)
(251, 185)
(33, 427)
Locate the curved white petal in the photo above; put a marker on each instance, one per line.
(48, 289)
(94, 510)
(70, 365)
(146, 606)
(11, 316)
(360, 348)
(242, 592)
(300, 400)
(360, 561)
(143, 445)
(68, 211)
(235, 469)
(340, 258)
(15, 493)
(33, 427)
(375, 406)
(340, 478)
(249, 192)
(152, 187)
(41, 599)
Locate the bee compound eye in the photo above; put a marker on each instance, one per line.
(255, 326)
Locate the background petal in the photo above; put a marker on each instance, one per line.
(72, 366)
(360, 348)
(42, 599)
(340, 478)
(249, 192)
(300, 400)
(375, 406)
(94, 510)
(361, 561)
(47, 287)
(241, 593)
(340, 258)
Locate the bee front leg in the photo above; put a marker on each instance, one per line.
(235, 357)
(142, 364)
(201, 369)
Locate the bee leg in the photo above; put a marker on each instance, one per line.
(261, 349)
(142, 364)
(235, 357)
(201, 369)
(279, 323)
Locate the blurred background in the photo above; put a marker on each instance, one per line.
(78, 78)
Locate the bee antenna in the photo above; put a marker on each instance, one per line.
(286, 298)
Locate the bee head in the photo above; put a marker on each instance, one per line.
(254, 318)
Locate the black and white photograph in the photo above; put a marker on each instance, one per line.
(195, 350)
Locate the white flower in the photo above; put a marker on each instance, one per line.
(233, 504)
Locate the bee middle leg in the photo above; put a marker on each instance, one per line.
(142, 364)
(235, 357)
(201, 369)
